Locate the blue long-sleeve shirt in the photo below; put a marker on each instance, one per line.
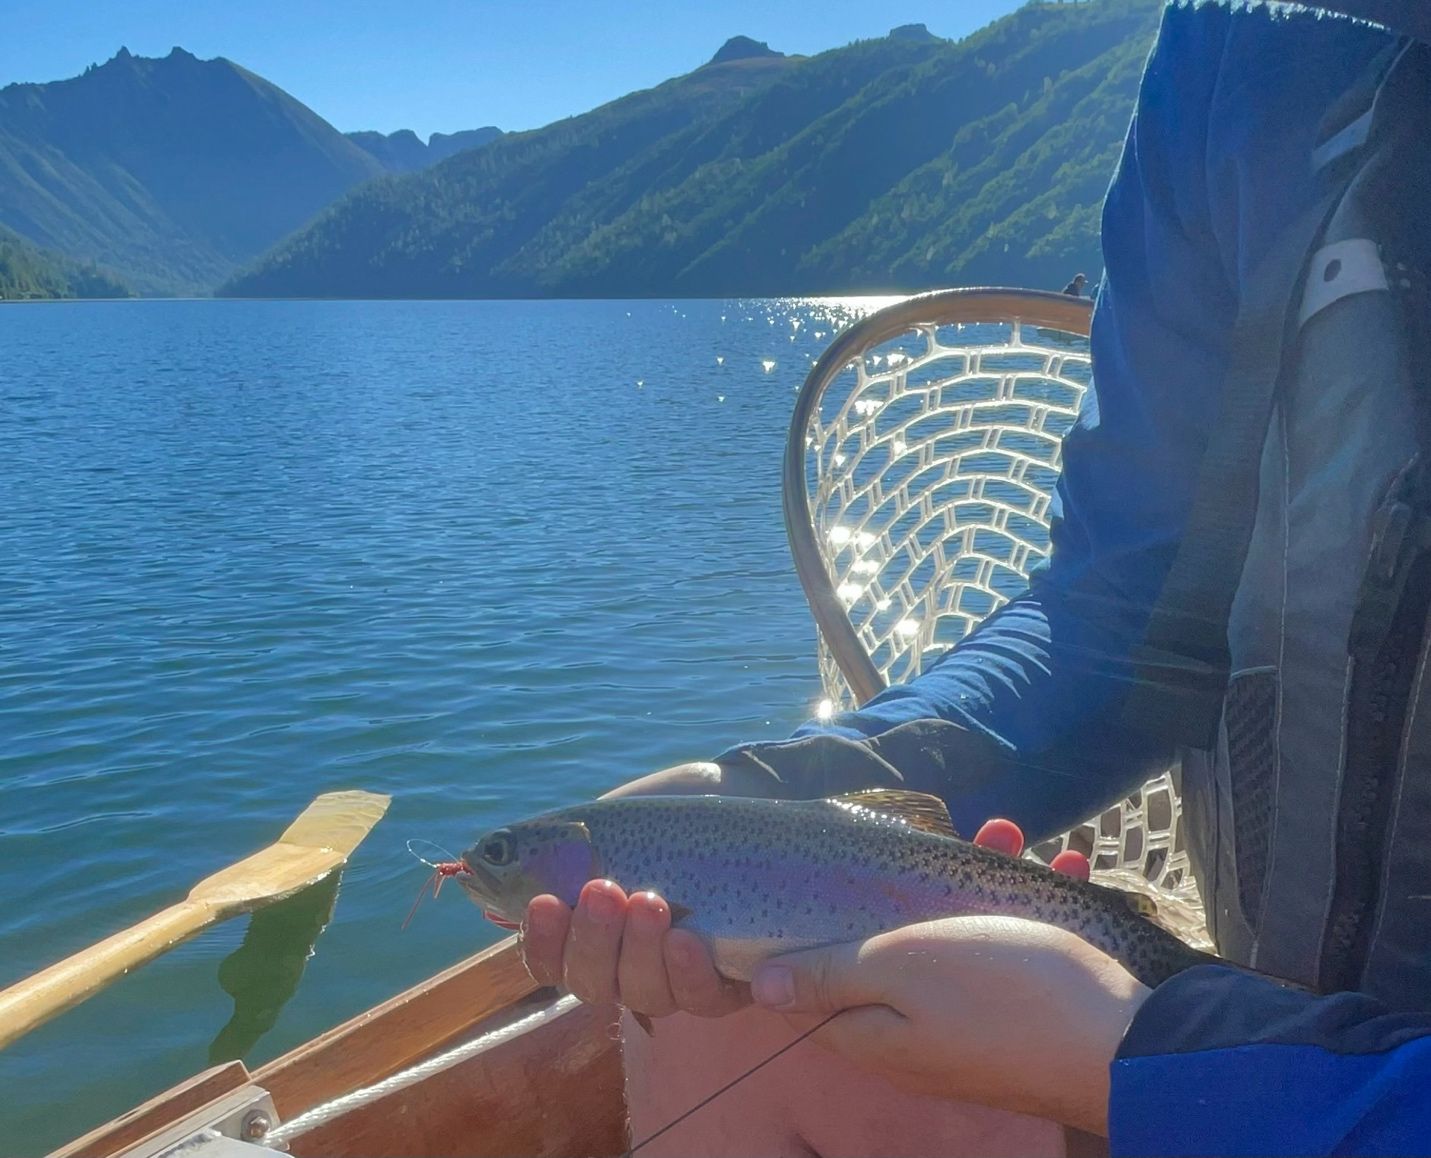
(1042, 681)
(1023, 719)
(1200, 195)
(1219, 1061)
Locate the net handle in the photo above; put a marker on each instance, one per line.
(1041, 308)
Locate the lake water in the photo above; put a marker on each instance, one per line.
(488, 557)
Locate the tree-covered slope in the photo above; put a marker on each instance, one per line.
(1014, 197)
(28, 273)
(897, 163)
(443, 231)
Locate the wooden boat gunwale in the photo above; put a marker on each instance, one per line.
(569, 1068)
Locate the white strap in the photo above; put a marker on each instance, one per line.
(1338, 271)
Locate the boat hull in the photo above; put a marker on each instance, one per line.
(554, 1090)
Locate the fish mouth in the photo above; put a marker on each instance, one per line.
(481, 886)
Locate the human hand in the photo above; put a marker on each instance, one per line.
(1013, 1014)
(619, 949)
(614, 948)
(622, 949)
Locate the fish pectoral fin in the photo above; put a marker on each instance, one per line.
(916, 809)
(678, 912)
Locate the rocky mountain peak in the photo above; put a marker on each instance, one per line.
(742, 48)
(917, 32)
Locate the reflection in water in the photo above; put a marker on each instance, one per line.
(263, 973)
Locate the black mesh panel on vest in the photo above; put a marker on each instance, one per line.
(1251, 719)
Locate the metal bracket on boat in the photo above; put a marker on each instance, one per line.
(233, 1126)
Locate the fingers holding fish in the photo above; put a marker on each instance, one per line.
(641, 971)
(1072, 863)
(1001, 836)
(1014, 1014)
(1005, 836)
(614, 949)
(695, 984)
(593, 947)
(619, 951)
(543, 939)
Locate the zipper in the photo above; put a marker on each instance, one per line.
(1387, 636)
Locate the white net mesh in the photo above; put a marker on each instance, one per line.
(930, 463)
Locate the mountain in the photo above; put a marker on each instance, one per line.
(174, 170)
(742, 48)
(1015, 197)
(441, 230)
(891, 164)
(28, 273)
(405, 152)
(912, 32)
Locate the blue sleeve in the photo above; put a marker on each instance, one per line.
(1042, 681)
(1221, 1061)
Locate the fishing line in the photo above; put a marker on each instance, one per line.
(733, 1082)
(446, 856)
(441, 870)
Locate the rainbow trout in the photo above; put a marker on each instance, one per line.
(756, 878)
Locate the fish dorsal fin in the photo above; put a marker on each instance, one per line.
(916, 809)
(1140, 903)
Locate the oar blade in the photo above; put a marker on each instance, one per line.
(337, 821)
(315, 844)
(320, 840)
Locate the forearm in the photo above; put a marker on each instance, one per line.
(699, 778)
(1021, 720)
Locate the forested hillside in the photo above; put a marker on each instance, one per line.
(28, 273)
(891, 164)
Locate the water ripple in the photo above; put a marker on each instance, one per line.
(253, 551)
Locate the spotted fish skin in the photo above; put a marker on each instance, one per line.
(756, 878)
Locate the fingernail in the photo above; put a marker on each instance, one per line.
(647, 918)
(773, 986)
(601, 905)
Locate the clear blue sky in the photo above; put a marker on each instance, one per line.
(443, 65)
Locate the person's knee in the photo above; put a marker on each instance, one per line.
(807, 1101)
(684, 1061)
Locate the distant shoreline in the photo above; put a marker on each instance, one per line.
(648, 298)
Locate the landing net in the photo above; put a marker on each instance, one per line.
(922, 459)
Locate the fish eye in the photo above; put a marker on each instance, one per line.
(499, 849)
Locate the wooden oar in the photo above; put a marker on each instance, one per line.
(319, 841)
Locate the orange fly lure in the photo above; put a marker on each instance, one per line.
(441, 870)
